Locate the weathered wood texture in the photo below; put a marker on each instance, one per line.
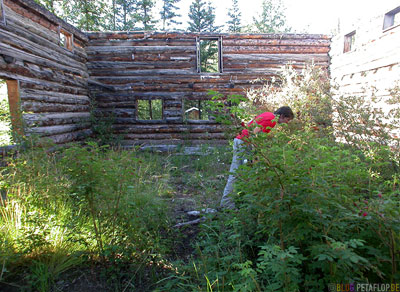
(373, 61)
(52, 80)
(150, 65)
(372, 66)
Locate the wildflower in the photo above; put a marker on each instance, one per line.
(380, 195)
(365, 214)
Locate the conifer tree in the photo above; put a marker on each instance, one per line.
(87, 15)
(202, 17)
(272, 18)
(125, 14)
(235, 17)
(143, 14)
(168, 13)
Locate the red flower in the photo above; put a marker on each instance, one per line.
(365, 214)
(380, 195)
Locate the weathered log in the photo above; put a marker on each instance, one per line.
(41, 107)
(40, 36)
(22, 55)
(37, 13)
(169, 136)
(53, 97)
(71, 137)
(52, 119)
(58, 129)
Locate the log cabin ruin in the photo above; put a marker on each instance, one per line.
(152, 84)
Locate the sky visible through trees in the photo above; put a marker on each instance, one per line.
(166, 15)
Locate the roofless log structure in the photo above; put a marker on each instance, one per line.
(44, 60)
(152, 84)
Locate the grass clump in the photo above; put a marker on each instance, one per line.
(85, 204)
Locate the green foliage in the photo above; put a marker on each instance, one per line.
(202, 17)
(209, 59)
(168, 13)
(310, 210)
(272, 18)
(234, 22)
(86, 202)
(5, 120)
(123, 14)
(84, 14)
(143, 14)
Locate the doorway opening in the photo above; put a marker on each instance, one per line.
(10, 113)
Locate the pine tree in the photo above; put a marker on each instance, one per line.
(125, 14)
(202, 17)
(85, 14)
(235, 17)
(272, 18)
(143, 14)
(168, 13)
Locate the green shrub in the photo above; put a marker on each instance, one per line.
(60, 209)
(311, 210)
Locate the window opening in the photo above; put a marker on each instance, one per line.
(66, 39)
(149, 109)
(196, 110)
(2, 14)
(349, 40)
(392, 18)
(209, 55)
(10, 114)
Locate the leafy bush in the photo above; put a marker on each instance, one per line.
(85, 202)
(311, 210)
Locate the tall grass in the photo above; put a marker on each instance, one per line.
(60, 209)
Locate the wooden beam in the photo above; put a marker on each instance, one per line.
(15, 106)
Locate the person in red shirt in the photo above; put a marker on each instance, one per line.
(266, 122)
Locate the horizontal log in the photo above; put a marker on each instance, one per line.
(45, 38)
(59, 129)
(144, 42)
(276, 57)
(52, 119)
(26, 74)
(143, 57)
(127, 69)
(24, 7)
(131, 96)
(134, 49)
(144, 142)
(19, 54)
(17, 22)
(166, 35)
(276, 42)
(53, 97)
(71, 137)
(37, 84)
(42, 107)
(276, 49)
(163, 128)
(169, 136)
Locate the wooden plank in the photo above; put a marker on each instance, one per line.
(15, 106)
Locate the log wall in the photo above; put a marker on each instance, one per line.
(373, 61)
(150, 65)
(52, 78)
